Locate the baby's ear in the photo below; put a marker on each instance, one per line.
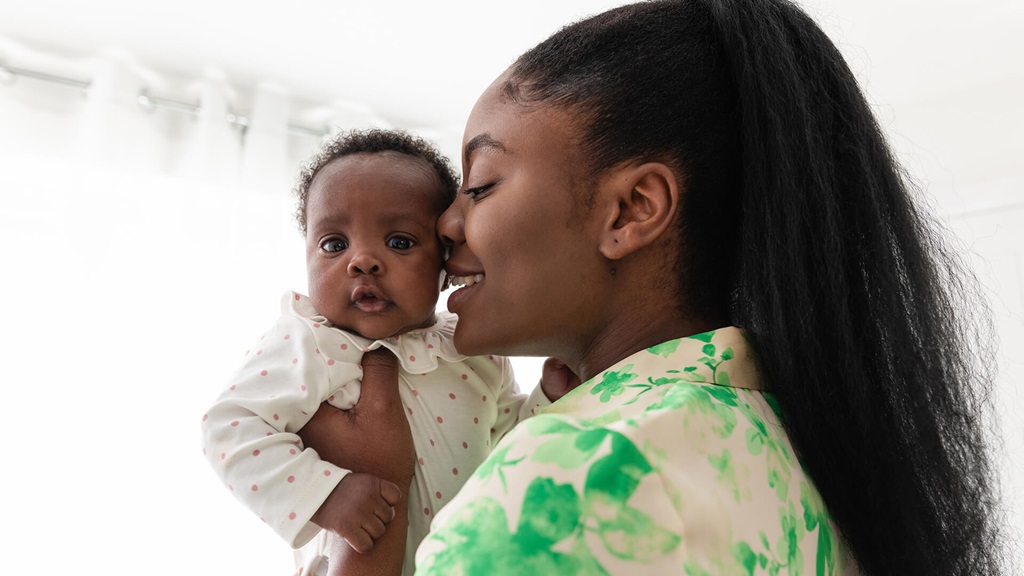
(643, 201)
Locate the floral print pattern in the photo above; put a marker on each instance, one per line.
(673, 461)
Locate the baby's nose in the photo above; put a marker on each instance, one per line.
(365, 263)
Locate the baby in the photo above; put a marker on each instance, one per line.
(368, 203)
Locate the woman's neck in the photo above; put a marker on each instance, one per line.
(628, 333)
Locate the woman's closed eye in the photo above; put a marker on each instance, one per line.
(400, 243)
(477, 191)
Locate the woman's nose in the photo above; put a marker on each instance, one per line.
(365, 263)
(450, 226)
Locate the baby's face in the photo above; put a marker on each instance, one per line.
(372, 252)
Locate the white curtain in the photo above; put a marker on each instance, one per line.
(146, 234)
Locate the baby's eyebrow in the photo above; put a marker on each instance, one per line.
(481, 141)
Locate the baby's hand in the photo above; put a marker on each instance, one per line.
(358, 508)
(556, 379)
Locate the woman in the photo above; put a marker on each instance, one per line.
(690, 204)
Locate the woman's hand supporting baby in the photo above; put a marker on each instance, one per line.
(373, 439)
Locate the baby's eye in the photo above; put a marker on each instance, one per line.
(333, 245)
(400, 243)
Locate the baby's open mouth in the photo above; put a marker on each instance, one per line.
(466, 280)
(369, 299)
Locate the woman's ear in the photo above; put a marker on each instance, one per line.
(644, 200)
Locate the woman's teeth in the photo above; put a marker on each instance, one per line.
(466, 280)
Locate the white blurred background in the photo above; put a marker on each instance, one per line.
(147, 151)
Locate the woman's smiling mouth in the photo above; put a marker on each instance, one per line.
(466, 281)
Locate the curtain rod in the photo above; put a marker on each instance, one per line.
(146, 100)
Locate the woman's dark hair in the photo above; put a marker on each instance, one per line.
(798, 225)
(372, 141)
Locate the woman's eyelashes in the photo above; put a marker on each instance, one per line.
(477, 191)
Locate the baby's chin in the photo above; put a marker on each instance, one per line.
(379, 328)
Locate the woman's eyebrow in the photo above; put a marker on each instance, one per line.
(481, 141)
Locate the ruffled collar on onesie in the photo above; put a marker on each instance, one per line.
(417, 350)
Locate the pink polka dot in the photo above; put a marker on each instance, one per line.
(465, 376)
(270, 433)
(455, 471)
(440, 420)
(451, 395)
(409, 410)
(223, 455)
(492, 430)
(507, 410)
(260, 351)
(426, 511)
(234, 422)
(412, 358)
(421, 461)
(485, 398)
(296, 296)
(331, 397)
(476, 420)
(291, 516)
(415, 392)
(430, 345)
(291, 451)
(232, 387)
(431, 441)
(255, 488)
(205, 417)
(255, 452)
(438, 494)
(330, 361)
(291, 479)
(263, 372)
(327, 472)
(295, 360)
(464, 445)
(287, 336)
(316, 324)
(302, 387)
(344, 346)
(276, 417)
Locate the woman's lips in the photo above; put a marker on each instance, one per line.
(468, 284)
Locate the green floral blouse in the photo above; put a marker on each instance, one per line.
(673, 461)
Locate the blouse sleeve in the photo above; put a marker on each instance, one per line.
(249, 433)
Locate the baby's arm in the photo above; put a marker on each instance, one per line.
(250, 432)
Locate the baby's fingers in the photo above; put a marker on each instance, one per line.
(360, 541)
(390, 492)
(374, 527)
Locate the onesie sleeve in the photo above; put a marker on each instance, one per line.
(249, 433)
(513, 405)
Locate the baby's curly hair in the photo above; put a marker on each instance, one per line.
(372, 141)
